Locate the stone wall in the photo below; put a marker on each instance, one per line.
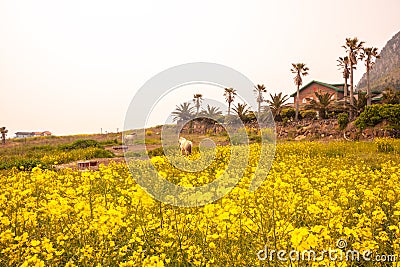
(306, 130)
(329, 129)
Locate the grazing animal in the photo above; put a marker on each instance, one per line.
(129, 138)
(186, 146)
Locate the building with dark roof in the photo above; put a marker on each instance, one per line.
(31, 134)
(307, 92)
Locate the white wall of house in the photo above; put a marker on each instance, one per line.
(31, 134)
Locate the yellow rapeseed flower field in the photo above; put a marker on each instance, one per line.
(314, 194)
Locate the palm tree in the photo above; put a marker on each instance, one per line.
(183, 112)
(259, 90)
(359, 103)
(276, 103)
(299, 69)
(229, 96)
(369, 53)
(241, 110)
(211, 112)
(197, 99)
(3, 132)
(322, 105)
(344, 65)
(353, 47)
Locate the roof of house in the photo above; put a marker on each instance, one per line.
(332, 86)
(33, 133)
(364, 90)
(24, 133)
(377, 97)
(339, 84)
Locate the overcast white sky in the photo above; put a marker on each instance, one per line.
(74, 66)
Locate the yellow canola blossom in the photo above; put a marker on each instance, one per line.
(314, 194)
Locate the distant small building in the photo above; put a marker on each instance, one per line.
(376, 96)
(308, 91)
(120, 147)
(82, 165)
(31, 134)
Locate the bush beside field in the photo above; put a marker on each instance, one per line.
(375, 114)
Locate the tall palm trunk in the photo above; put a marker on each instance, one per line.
(369, 53)
(369, 97)
(351, 85)
(299, 69)
(297, 103)
(345, 92)
(351, 90)
(229, 97)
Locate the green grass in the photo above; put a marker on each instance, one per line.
(30, 154)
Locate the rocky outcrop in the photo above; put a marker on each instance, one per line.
(307, 129)
(386, 71)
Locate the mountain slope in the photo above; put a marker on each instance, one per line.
(386, 71)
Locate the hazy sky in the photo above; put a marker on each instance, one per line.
(74, 66)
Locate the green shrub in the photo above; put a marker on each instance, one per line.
(384, 145)
(224, 133)
(135, 154)
(22, 164)
(343, 120)
(159, 151)
(285, 121)
(255, 138)
(288, 113)
(375, 114)
(268, 134)
(334, 152)
(80, 144)
(152, 141)
(111, 142)
(239, 137)
(308, 114)
(210, 132)
(46, 148)
(102, 153)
